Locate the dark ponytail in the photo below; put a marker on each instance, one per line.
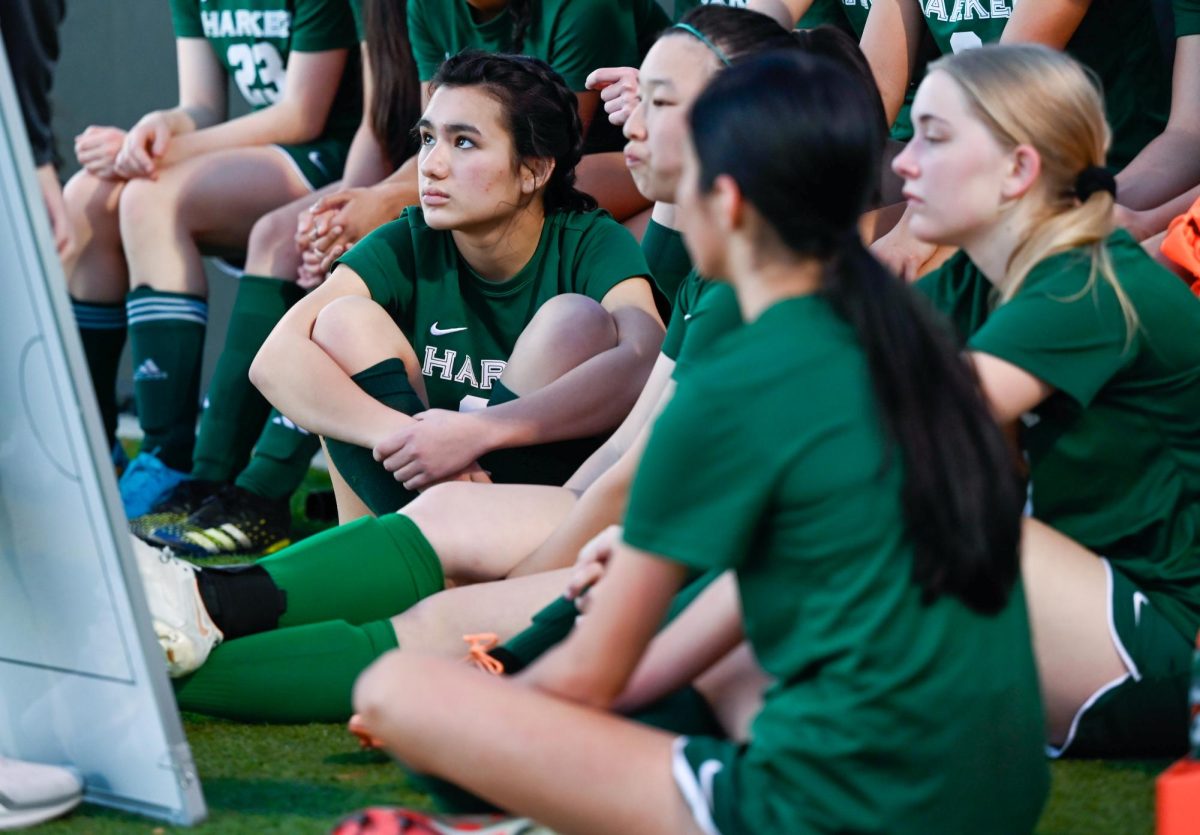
(541, 111)
(810, 177)
(396, 98)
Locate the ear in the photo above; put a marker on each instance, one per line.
(1024, 170)
(729, 203)
(535, 173)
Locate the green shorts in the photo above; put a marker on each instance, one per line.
(318, 163)
(1144, 713)
(705, 771)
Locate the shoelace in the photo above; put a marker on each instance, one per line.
(478, 647)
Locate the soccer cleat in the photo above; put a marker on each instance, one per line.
(145, 483)
(31, 793)
(234, 521)
(184, 628)
(383, 821)
(175, 507)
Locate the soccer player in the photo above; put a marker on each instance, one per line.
(490, 333)
(1081, 342)
(185, 179)
(236, 502)
(824, 454)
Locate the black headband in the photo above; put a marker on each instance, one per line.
(1093, 179)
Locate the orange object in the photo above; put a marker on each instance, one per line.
(1181, 244)
(1178, 798)
(477, 653)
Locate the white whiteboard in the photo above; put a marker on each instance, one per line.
(82, 680)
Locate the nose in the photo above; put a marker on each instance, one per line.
(432, 162)
(905, 163)
(635, 125)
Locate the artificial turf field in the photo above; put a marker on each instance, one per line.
(303, 779)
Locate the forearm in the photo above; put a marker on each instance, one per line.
(366, 163)
(400, 187)
(280, 124)
(1150, 222)
(1166, 168)
(699, 637)
(626, 610)
(601, 505)
(589, 399)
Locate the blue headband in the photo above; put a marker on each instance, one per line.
(698, 35)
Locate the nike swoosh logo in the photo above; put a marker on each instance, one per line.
(1139, 600)
(688, 316)
(436, 331)
(315, 158)
(709, 769)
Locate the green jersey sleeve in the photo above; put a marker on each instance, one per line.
(607, 255)
(1063, 326)
(667, 257)
(185, 18)
(356, 10)
(673, 502)
(425, 51)
(1187, 17)
(686, 296)
(386, 263)
(319, 25)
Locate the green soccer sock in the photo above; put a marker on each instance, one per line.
(369, 569)
(388, 383)
(234, 411)
(102, 330)
(281, 459)
(166, 337)
(301, 674)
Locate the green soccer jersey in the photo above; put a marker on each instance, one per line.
(1116, 39)
(887, 715)
(704, 312)
(253, 40)
(462, 326)
(667, 256)
(1114, 453)
(573, 37)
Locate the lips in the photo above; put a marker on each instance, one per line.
(633, 160)
(433, 197)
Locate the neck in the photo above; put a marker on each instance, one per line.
(759, 286)
(992, 249)
(498, 250)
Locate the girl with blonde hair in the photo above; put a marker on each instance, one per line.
(1083, 349)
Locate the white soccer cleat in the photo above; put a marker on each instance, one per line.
(31, 793)
(182, 624)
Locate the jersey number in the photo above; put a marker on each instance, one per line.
(258, 71)
(960, 41)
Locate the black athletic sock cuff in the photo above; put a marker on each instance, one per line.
(384, 379)
(241, 599)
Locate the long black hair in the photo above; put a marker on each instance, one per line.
(541, 111)
(810, 176)
(396, 98)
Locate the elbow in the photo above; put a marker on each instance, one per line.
(260, 370)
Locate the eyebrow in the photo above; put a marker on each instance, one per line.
(451, 127)
(929, 117)
(656, 82)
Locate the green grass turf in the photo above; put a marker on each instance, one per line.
(301, 779)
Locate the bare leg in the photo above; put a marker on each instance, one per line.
(272, 250)
(211, 200)
(349, 505)
(95, 266)
(437, 624)
(480, 531)
(1066, 588)
(574, 769)
(565, 332)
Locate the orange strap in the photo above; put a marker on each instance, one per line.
(478, 647)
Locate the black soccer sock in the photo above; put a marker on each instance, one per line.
(388, 383)
(102, 329)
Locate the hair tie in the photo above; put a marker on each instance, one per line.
(698, 35)
(1093, 179)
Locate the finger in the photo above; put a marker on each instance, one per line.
(399, 460)
(603, 77)
(158, 146)
(328, 239)
(408, 473)
(582, 579)
(333, 255)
